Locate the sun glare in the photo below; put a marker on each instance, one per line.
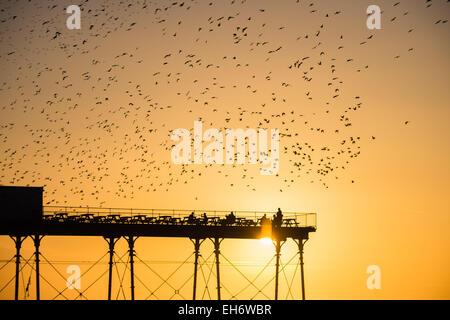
(266, 241)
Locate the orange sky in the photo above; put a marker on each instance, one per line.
(87, 138)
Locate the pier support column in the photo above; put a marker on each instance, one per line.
(277, 266)
(197, 244)
(278, 244)
(300, 244)
(18, 240)
(217, 242)
(111, 243)
(37, 242)
(131, 240)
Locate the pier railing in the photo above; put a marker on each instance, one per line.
(173, 216)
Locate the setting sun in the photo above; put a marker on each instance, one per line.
(266, 241)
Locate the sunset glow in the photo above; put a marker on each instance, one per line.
(195, 116)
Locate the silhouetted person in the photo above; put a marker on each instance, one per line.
(263, 219)
(205, 218)
(277, 218)
(280, 217)
(231, 218)
(191, 217)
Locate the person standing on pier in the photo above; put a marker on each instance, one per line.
(277, 219)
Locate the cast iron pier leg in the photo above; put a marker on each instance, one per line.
(37, 241)
(217, 253)
(300, 251)
(111, 242)
(18, 240)
(277, 265)
(197, 253)
(131, 240)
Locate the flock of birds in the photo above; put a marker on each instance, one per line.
(77, 119)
